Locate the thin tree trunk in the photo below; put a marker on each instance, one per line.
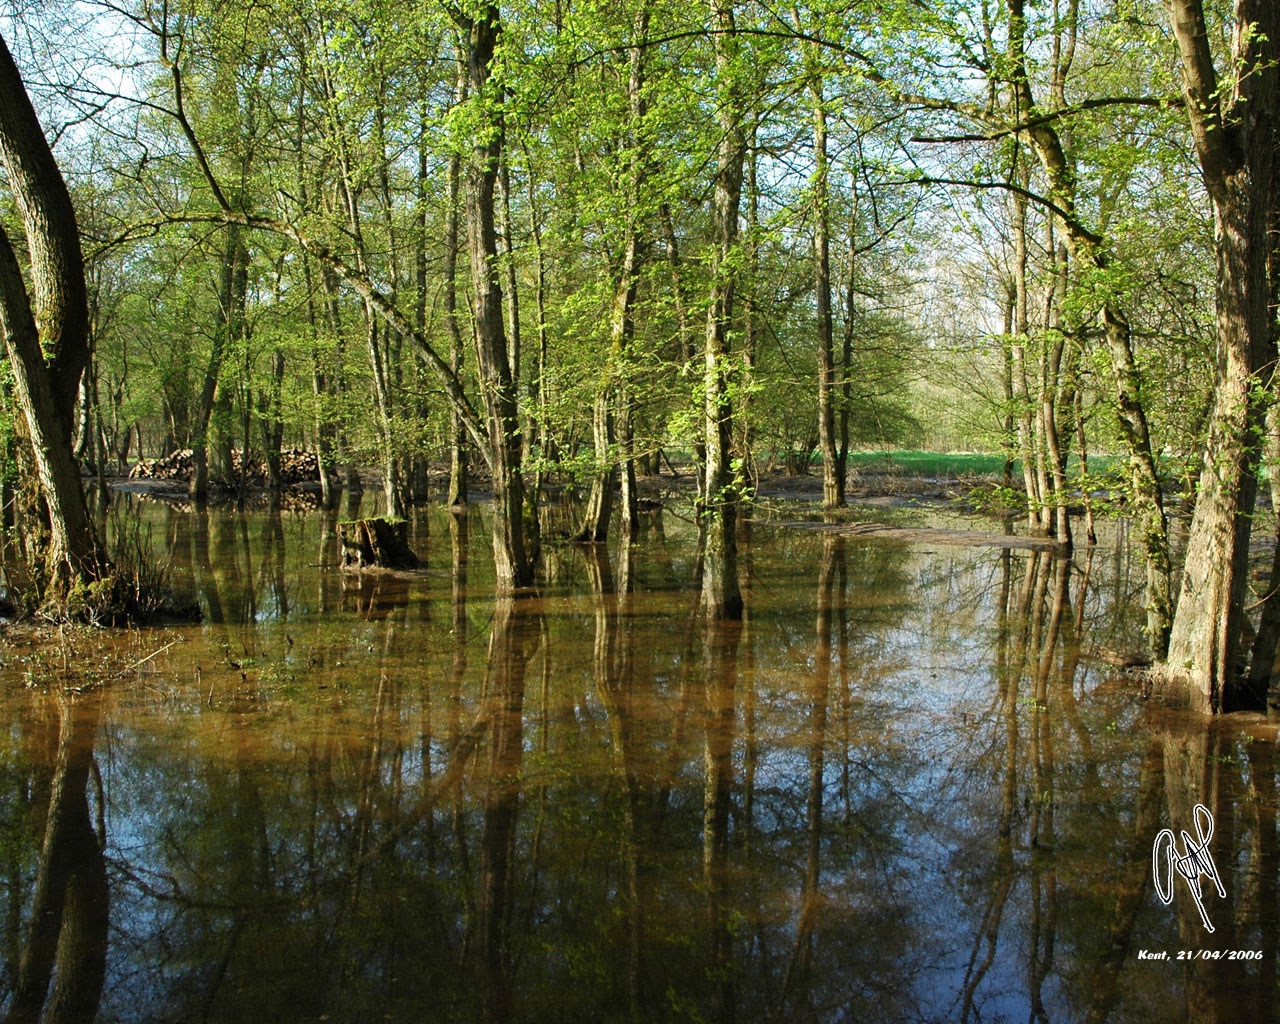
(1051, 395)
(512, 564)
(1021, 390)
(846, 349)
(456, 495)
(832, 483)
(1086, 249)
(747, 474)
(608, 428)
(230, 307)
(685, 331)
(539, 436)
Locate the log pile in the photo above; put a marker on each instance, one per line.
(297, 466)
(174, 466)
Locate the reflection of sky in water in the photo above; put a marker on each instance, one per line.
(252, 769)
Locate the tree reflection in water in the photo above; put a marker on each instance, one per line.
(898, 790)
(65, 937)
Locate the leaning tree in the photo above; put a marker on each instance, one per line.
(46, 331)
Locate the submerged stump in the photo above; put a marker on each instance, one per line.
(376, 543)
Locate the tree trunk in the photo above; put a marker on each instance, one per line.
(1018, 349)
(685, 331)
(1235, 140)
(595, 518)
(231, 301)
(539, 437)
(1052, 398)
(608, 428)
(512, 564)
(56, 323)
(273, 421)
(832, 482)
(456, 495)
(721, 596)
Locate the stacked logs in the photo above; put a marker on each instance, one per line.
(174, 466)
(297, 466)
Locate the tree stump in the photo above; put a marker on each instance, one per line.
(376, 543)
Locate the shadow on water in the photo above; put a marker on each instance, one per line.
(897, 790)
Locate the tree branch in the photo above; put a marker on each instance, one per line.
(1068, 219)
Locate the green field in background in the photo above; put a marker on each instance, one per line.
(918, 463)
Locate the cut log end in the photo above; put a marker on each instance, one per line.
(376, 543)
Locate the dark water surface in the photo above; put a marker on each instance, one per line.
(898, 791)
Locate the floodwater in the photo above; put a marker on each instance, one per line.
(900, 790)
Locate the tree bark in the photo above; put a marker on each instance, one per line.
(511, 560)
(456, 495)
(231, 302)
(832, 478)
(56, 323)
(1235, 137)
(721, 596)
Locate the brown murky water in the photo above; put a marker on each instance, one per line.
(897, 792)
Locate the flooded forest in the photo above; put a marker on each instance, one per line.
(525, 512)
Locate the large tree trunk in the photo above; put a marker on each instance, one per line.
(1235, 139)
(56, 323)
(720, 593)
